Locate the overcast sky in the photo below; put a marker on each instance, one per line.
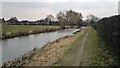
(38, 9)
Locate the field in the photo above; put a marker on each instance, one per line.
(11, 31)
(24, 28)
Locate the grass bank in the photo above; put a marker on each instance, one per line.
(95, 54)
(11, 31)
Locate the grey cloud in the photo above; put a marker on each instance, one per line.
(37, 10)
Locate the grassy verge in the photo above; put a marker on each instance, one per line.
(10, 31)
(94, 53)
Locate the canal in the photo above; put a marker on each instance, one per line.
(16, 47)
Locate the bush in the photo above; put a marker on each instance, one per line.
(109, 31)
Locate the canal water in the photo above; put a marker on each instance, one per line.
(16, 47)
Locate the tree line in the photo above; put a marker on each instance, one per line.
(64, 18)
(15, 21)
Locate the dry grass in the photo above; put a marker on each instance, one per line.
(53, 52)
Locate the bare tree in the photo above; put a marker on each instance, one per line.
(50, 17)
(69, 17)
(62, 19)
(13, 20)
(92, 18)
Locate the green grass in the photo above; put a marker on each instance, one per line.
(23, 28)
(11, 31)
(94, 53)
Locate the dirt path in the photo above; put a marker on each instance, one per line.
(75, 55)
(78, 53)
(80, 50)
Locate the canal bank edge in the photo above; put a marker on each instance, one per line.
(20, 34)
